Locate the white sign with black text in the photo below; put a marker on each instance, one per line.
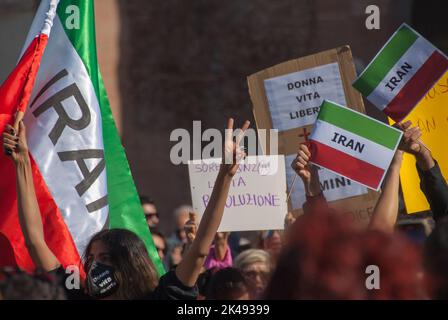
(294, 98)
(257, 196)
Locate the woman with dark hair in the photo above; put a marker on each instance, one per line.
(227, 284)
(127, 253)
(116, 261)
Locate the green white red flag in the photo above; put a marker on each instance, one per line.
(82, 177)
(352, 144)
(402, 72)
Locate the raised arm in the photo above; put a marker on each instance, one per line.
(221, 245)
(306, 171)
(16, 147)
(385, 213)
(190, 228)
(432, 182)
(189, 268)
(310, 178)
(433, 185)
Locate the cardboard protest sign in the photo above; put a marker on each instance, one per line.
(304, 91)
(431, 115)
(401, 73)
(257, 196)
(289, 94)
(352, 144)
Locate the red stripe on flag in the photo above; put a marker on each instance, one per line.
(12, 89)
(346, 165)
(57, 235)
(14, 95)
(42, 40)
(416, 88)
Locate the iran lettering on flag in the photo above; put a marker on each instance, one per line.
(81, 174)
(352, 144)
(401, 73)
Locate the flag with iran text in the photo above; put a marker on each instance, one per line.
(402, 73)
(15, 93)
(80, 170)
(352, 144)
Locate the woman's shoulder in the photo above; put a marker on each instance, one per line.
(70, 282)
(171, 288)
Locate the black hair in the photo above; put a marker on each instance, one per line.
(203, 281)
(134, 270)
(156, 232)
(146, 200)
(38, 286)
(226, 284)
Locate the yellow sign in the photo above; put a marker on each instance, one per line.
(431, 115)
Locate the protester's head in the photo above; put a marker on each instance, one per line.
(38, 286)
(203, 282)
(159, 243)
(181, 216)
(228, 284)
(255, 265)
(435, 261)
(119, 256)
(326, 257)
(272, 243)
(244, 244)
(150, 210)
(175, 256)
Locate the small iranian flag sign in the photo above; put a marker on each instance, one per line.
(352, 144)
(402, 72)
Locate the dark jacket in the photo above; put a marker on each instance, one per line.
(434, 186)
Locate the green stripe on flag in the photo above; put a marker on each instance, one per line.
(125, 210)
(385, 60)
(360, 125)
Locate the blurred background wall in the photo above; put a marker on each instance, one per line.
(167, 63)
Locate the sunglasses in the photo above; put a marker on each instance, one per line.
(151, 215)
(252, 274)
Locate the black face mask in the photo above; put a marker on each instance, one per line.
(101, 282)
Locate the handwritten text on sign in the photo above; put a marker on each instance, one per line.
(257, 196)
(294, 98)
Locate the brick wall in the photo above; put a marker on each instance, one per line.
(188, 60)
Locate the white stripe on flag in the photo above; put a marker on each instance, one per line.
(372, 152)
(416, 56)
(62, 177)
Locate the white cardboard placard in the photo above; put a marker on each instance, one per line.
(294, 98)
(257, 196)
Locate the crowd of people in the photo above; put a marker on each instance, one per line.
(319, 255)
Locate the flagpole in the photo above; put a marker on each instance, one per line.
(291, 187)
(46, 28)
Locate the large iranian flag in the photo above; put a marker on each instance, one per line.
(352, 144)
(402, 72)
(80, 170)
